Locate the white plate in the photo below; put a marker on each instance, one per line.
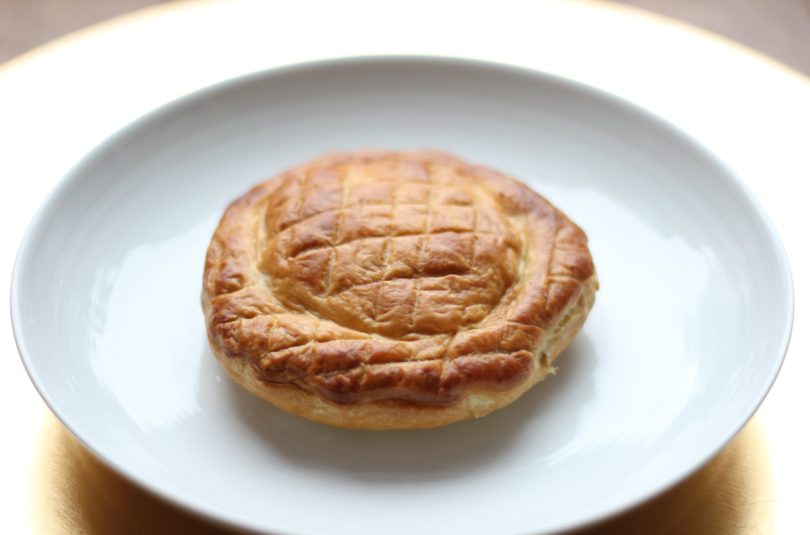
(688, 332)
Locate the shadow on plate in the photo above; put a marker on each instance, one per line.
(455, 451)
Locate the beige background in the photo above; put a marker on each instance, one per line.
(780, 28)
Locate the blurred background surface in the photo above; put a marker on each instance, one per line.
(778, 28)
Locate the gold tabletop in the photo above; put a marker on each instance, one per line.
(58, 101)
(75, 493)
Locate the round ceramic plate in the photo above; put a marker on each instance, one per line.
(688, 331)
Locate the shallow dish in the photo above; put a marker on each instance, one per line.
(688, 332)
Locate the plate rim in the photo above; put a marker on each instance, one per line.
(223, 518)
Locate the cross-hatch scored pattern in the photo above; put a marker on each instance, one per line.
(368, 250)
(405, 276)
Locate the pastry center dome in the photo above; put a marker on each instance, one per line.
(392, 248)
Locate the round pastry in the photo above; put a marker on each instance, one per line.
(393, 290)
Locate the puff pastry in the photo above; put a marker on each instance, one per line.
(387, 290)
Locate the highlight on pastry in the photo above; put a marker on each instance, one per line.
(393, 290)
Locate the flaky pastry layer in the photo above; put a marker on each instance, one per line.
(393, 289)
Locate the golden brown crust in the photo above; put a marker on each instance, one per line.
(393, 289)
